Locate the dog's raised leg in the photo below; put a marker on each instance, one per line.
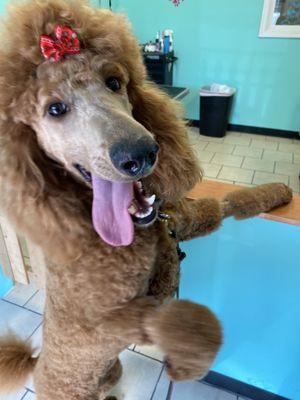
(111, 380)
(187, 333)
(190, 336)
(193, 218)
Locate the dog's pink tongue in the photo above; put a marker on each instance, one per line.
(111, 218)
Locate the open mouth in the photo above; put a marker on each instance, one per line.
(143, 209)
(117, 206)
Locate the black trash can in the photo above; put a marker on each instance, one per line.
(215, 107)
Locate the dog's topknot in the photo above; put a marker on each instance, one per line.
(100, 32)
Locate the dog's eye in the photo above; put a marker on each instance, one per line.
(57, 109)
(113, 83)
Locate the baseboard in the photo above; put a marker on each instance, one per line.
(240, 388)
(256, 130)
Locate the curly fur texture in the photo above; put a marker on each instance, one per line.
(123, 288)
(16, 362)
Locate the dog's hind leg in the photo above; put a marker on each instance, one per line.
(109, 381)
(75, 374)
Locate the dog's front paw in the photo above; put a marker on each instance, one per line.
(189, 335)
(178, 370)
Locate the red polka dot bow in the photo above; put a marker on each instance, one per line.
(176, 2)
(65, 42)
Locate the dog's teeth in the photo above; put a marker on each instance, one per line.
(149, 211)
(144, 215)
(151, 200)
(132, 209)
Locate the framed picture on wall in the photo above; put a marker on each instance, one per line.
(280, 18)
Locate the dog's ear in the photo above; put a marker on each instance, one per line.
(177, 170)
(40, 197)
(20, 157)
(25, 165)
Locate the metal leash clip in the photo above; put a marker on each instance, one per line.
(163, 216)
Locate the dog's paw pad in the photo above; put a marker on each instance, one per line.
(183, 372)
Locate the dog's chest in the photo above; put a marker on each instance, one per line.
(107, 276)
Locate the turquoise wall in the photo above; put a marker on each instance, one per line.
(5, 283)
(217, 41)
(2, 6)
(247, 273)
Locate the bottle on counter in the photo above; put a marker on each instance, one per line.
(168, 41)
(171, 40)
(161, 42)
(166, 47)
(157, 43)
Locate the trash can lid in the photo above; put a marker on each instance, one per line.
(217, 89)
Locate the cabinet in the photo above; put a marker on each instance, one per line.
(160, 67)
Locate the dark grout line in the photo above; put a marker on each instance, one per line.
(24, 308)
(24, 395)
(205, 145)
(158, 379)
(243, 160)
(218, 174)
(30, 298)
(127, 348)
(145, 355)
(35, 312)
(221, 389)
(30, 336)
(253, 177)
(29, 390)
(170, 391)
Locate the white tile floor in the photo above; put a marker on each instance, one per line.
(248, 159)
(143, 378)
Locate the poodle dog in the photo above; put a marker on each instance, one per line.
(94, 160)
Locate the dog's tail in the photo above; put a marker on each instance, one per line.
(16, 363)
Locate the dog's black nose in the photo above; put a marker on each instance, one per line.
(134, 158)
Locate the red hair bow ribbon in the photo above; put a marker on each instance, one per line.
(66, 42)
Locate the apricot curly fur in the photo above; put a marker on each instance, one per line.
(123, 288)
(16, 362)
